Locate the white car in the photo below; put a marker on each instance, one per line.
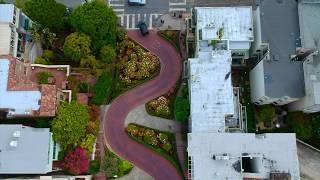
(137, 2)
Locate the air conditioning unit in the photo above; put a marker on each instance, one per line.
(16, 134)
(13, 144)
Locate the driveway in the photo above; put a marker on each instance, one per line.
(114, 122)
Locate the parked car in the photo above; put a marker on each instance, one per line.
(137, 2)
(143, 28)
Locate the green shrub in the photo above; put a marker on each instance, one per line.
(48, 54)
(43, 77)
(301, 124)
(266, 113)
(94, 167)
(182, 109)
(101, 88)
(124, 167)
(116, 166)
(83, 87)
(40, 60)
(107, 54)
(61, 155)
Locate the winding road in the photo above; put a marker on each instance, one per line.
(114, 122)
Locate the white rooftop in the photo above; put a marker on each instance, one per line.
(6, 13)
(211, 91)
(22, 102)
(25, 150)
(236, 22)
(269, 153)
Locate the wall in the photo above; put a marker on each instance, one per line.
(257, 82)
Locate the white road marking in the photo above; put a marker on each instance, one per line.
(133, 21)
(177, 4)
(177, 9)
(116, 5)
(118, 10)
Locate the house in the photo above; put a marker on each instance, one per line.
(15, 38)
(26, 150)
(276, 77)
(218, 147)
(310, 41)
(239, 156)
(21, 93)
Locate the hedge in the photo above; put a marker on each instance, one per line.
(102, 88)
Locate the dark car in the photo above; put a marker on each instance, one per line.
(143, 28)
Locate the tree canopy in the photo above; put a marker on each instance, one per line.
(98, 21)
(107, 54)
(69, 126)
(77, 46)
(48, 13)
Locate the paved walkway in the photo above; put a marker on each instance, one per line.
(114, 122)
(136, 174)
(140, 116)
(309, 161)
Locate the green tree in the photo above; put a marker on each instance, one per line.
(19, 3)
(48, 13)
(107, 54)
(77, 46)
(42, 35)
(69, 126)
(89, 62)
(48, 54)
(98, 21)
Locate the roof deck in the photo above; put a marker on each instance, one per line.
(211, 91)
(242, 155)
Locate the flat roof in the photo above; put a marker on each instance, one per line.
(236, 22)
(6, 13)
(211, 92)
(309, 15)
(31, 154)
(280, 28)
(22, 102)
(222, 155)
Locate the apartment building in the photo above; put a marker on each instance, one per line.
(15, 38)
(276, 77)
(218, 147)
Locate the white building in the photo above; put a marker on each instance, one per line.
(275, 77)
(15, 39)
(216, 25)
(309, 12)
(238, 156)
(26, 150)
(215, 109)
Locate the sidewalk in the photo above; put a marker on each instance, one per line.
(140, 116)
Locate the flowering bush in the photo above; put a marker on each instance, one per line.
(136, 63)
(152, 137)
(76, 162)
(160, 106)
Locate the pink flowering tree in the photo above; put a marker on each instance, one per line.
(77, 161)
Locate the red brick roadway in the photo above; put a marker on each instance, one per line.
(114, 130)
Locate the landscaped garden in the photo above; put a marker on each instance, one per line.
(172, 37)
(161, 142)
(115, 166)
(134, 66)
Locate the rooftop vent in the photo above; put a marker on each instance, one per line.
(13, 144)
(16, 134)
